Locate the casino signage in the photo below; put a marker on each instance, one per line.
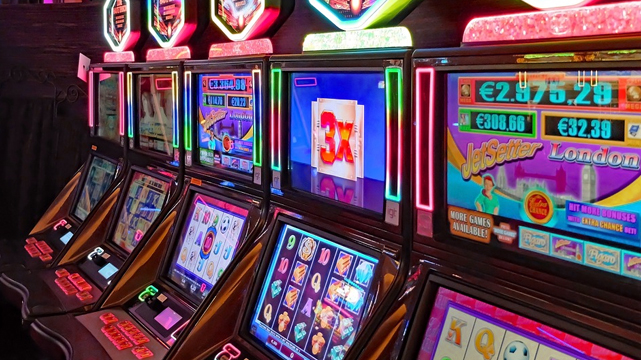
(121, 24)
(247, 19)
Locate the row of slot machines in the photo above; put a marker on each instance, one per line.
(439, 204)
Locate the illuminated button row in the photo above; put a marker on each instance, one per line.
(39, 249)
(73, 284)
(125, 335)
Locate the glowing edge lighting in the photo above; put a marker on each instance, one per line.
(176, 32)
(130, 104)
(125, 38)
(419, 144)
(258, 117)
(243, 35)
(187, 102)
(91, 99)
(275, 120)
(388, 100)
(122, 101)
(174, 100)
(616, 18)
(398, 36)
(359, 24)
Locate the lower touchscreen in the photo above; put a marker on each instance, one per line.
(464, 328)
(208, 242)
(313, 299)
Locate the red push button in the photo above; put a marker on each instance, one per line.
(108, 318)
(142, 352)
(44, 247)
(45, 258)
(84, 296)
(31, 240)
(62, 273)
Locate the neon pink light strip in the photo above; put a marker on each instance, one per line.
(297, 80)
(429, 206)
(91, 99)
(610, 19)
(122, 101)
(242, 48)
(180, 52)
(118, 57)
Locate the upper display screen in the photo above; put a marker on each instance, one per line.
(101, 175)
(208, 242)
(109, 107)
(145, 198)
(337, 136)
(226, 117)
(552, 150)
(313, 298)
(156, 113)
(464, 328)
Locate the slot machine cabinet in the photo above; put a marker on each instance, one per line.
(188, 254)
(152, 184)
(99, 177)
(543, 229)
(338, 248)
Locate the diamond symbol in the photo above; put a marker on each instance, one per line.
(276, 288)
(299, 331)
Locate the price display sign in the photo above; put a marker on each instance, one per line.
(534, 154)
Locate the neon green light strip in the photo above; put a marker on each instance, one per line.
(392, 37)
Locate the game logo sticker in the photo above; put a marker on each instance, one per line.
(603, 257)
(236, 15)
(538, 207)
(117, 15)
(337, 138)
(166, 21)
(631, 264)
(568, 249)
(534, 240)
(470, 224)
(546, 150)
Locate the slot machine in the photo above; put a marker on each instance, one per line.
(223, 208)
(333, 253)
(153, 183)
(106, 118)
(530, 250)
(99, 176)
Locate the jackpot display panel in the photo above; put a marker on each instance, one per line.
(544, 160)
(226, 118)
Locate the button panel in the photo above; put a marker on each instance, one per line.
(38, 249)
(125, 335)
(73, 284)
